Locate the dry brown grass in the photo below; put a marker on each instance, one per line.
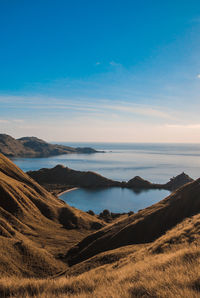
(172, 274)
(36, 228)
(130, 271)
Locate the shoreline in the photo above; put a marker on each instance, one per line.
(67, 190)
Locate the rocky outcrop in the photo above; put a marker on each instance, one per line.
(34, 147)
(177, 181)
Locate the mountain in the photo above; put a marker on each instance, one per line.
(34, 147)
(35, 226)
(142, 227)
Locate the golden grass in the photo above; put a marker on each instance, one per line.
(31, 241)
(36, 228)
(140, 274)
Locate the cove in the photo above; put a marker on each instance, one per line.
(115, 199)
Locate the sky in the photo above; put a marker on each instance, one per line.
(100, 70)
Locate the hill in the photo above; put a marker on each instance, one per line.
(60, 178)
(177, 181)
(34, 147)
(35, 226)
(64, 177)
(139, 183)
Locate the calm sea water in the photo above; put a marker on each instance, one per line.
(154, 162)
(115, 199)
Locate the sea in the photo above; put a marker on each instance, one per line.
(122, 161)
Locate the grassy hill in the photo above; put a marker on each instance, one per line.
(153, 253)
(35, 226)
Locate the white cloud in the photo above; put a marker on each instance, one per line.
(142, 110)
(84, 105)
(184, 126)
(198, 76)
(113, 63)
(98, 63)
(4, 121)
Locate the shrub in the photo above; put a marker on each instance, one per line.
(91, 212)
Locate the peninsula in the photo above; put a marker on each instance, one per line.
(60, 178)
(34, 147)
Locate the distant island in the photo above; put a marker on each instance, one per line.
(34, 147)
(60, 178)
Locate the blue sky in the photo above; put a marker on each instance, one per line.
(91, 70)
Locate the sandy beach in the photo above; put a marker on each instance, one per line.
(67, 190)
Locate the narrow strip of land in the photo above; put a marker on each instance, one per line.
(67, 190)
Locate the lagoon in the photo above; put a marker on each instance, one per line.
(115, 199)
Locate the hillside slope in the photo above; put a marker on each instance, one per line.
(167, 267)
(142, 227)
(34, 147)
(35, 226)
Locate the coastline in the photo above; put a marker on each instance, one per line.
(67, 190)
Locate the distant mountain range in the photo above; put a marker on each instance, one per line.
(34, 147)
